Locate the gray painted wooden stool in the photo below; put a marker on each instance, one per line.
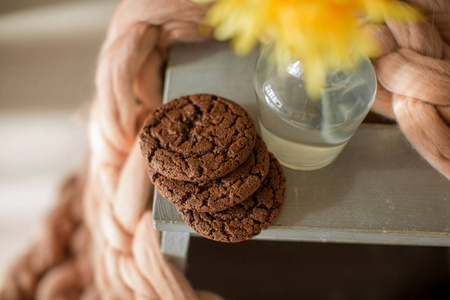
(378, 191)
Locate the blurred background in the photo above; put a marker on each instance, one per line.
(48, 52)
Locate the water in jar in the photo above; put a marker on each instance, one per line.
(305, 133)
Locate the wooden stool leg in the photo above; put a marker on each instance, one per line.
(175, 246)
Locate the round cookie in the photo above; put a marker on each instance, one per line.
(247, 219)
(219, 194)
(197, 137)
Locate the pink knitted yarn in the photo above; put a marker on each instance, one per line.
(123, 250)
(414, 80)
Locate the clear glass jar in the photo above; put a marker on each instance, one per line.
(304, 133)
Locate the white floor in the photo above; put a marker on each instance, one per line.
(47, 64)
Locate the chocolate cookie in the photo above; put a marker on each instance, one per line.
(197, 137)
(247, 219)
(221, 193)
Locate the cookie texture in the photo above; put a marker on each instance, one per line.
(247, 219)
(219, 194)
(197, 137)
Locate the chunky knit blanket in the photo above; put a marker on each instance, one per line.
(99, 242)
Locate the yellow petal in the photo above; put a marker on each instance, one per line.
(322, 34)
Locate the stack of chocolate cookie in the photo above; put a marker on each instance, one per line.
(205, 156)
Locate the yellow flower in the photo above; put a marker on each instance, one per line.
(322, 34)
